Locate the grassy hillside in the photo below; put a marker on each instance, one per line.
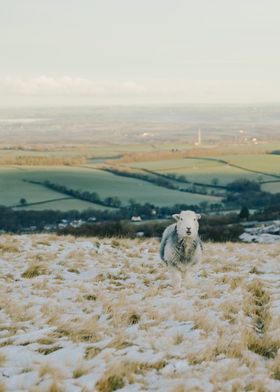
(101, 315)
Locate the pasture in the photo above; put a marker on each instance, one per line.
(206, 169)
(263, 168)
(13, 188)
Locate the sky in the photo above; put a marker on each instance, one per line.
(76, 52)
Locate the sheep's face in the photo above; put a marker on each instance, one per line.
(187, 224)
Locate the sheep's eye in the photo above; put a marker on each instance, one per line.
(181, 218)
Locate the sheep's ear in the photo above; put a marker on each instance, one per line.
(176, 216)
(198, 216)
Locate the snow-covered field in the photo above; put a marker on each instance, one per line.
(100, 315)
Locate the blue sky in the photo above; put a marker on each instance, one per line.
(139, 51)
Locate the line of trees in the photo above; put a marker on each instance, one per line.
(163, 181)
(243, 192)
(92, 197)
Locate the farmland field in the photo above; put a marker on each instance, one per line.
(91, 179)
(105, 184)
(205, 169)
(13, 188)
(235, 141)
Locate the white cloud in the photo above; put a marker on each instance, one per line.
(158, 90)
(66, 85)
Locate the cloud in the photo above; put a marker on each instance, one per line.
(69, 89)
(66, 85)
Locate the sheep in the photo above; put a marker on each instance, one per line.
(181, 246)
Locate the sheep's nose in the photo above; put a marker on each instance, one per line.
(188, 229)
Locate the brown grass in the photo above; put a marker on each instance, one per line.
(34, 270)
(80, 330)
(274, 366)
(55, 387)
(48, 350)
(9, 245)
(125, 371)
(91, 352)
(2, 358)
(110, 383)
(80, 371)
(2, 387)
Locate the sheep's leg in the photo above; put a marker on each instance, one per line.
(176, 278)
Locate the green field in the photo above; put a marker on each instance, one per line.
(204, 170)
(13, 188)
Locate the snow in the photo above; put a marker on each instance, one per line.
(265, 233)
(103, 307)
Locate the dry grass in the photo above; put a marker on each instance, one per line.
(116, 377)
(55, 388)
(91, 352)
(2, 387)
(48, 350)
(274, 366)
(124, 322)
(110, 383)
(2, 359)
(34, 270)
(9, 244)
(80, 371)
(80, 330)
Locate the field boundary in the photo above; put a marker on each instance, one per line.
(235, 166)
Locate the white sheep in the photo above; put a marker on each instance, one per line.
(180, 245)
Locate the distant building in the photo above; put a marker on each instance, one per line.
(136, 219)
(77, 223)
(198, 143)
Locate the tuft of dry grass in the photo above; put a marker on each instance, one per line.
(125, 371)
(133, 318)
(34, 270)
(49, 370)
(110, 383)
(274, 366)
(255, 271)
(178, 339)
(80, 371)
(2, 387)
(91, 352)
(256, 306)
(55, 387)
(2, 359)
(73, 270)
(80, 330)
(48, 350)
(264, 345)
(230, 309)
(9, 245)
(8, 342)
(179, 388)
(90, 297)
(46, 341)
